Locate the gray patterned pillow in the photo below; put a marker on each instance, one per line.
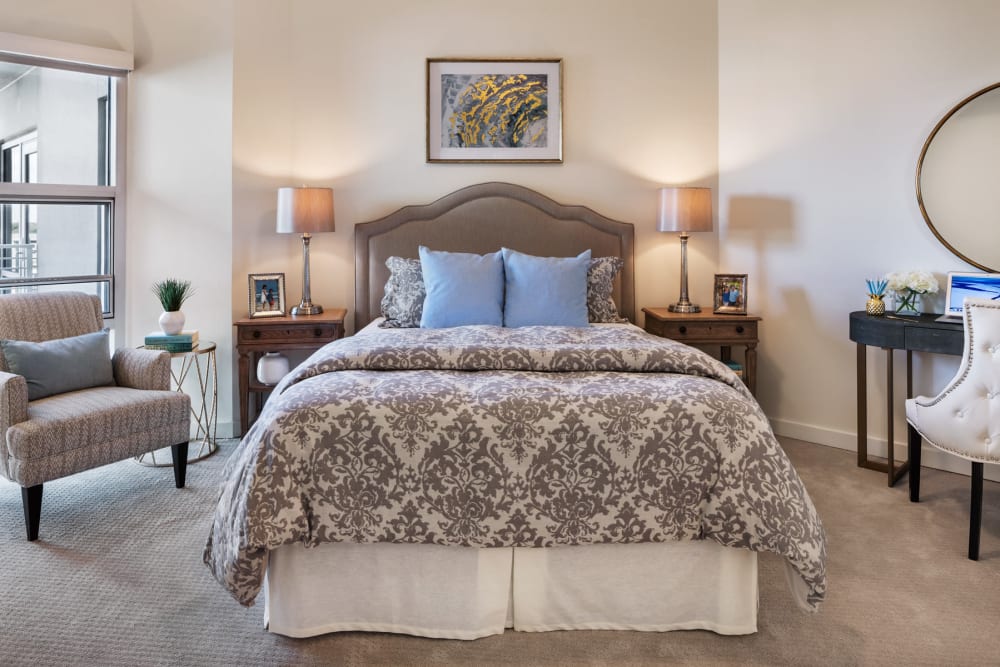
(403, 302)
(600, 283)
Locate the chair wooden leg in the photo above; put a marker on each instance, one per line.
(914, 441)
(179, 453)
(31, 498)
(976, 513)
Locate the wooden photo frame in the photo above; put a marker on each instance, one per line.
(730, 294)
(481, 110)
(267, 294)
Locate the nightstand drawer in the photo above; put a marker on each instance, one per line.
(703, 331)
(289, 334)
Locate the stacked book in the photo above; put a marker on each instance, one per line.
(736, 367)
(185, 341)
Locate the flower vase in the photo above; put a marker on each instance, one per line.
(875, 305)
(907, 302)
(172, 322)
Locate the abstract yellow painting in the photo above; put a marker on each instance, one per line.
(494, 110)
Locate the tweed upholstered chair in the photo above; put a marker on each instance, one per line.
(964, 419)
(58, 435)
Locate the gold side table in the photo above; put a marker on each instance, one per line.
(205, 413)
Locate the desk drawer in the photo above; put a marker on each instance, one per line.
(928, 339)
(289, 334)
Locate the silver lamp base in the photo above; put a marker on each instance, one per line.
(306, 306)
(311, 309)
(684, 308)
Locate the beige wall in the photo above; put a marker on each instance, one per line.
(106, 24)
(180, 171)
(823, 110)
(332, 94)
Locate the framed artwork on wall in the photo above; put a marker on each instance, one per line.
(730, 294)
(481, 110)
(267, 294)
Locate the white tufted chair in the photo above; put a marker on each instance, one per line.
(964, 419)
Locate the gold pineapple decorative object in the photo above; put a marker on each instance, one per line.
(875, 305)
(876, 292)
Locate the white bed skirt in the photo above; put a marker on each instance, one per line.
(465, 593)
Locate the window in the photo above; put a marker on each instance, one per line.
(61, 168)
(19, 222)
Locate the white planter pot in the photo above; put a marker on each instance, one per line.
(172, 322)
(272, 367)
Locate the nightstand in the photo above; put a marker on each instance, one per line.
(710, 329)
(257, 335)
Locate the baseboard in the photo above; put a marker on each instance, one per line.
(223, 431)
(226, 430)
(930, 457)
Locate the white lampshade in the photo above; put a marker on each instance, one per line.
(305, 210)
(685, 210)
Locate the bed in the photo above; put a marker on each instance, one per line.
(456, 482)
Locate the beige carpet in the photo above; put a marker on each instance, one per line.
(116, 579)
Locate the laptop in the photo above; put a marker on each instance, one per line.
(971, 285)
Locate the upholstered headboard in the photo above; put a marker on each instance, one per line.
(483, 218)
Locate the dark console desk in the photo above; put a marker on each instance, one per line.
(914, 333)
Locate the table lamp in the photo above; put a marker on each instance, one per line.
(685, 210)
(305, 211)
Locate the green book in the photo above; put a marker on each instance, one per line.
(170, 347)
(188, 337)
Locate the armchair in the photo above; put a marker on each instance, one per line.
(964, 419)
(65, 433)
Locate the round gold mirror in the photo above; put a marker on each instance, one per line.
(958, 179)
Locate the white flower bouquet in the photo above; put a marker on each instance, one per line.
(908, 285)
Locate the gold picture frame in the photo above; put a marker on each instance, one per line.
(730, 294)
(267, 294)
(494, 110)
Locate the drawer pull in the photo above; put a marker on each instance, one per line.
(256, 333)
(739, 329)
(683, 329)
(317, 332)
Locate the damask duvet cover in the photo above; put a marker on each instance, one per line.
(484, 436)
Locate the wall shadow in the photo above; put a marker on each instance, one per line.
(756, 224)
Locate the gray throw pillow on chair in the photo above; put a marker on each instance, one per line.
(61, 365)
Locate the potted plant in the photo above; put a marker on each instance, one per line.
(172, 294)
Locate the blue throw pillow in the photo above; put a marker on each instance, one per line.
(545, 290)
(462, 288)
(61, 365)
